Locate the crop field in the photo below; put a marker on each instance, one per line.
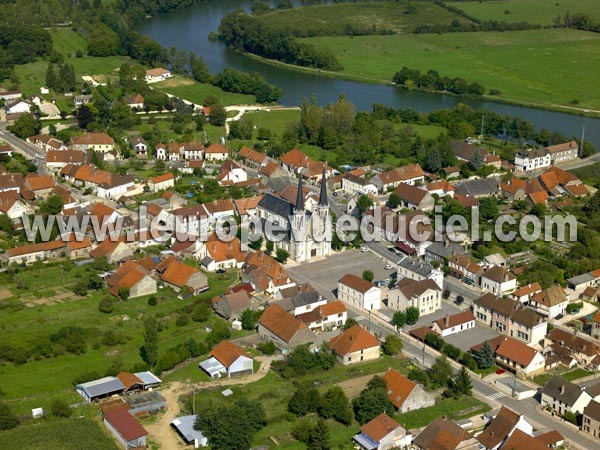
(361, 18)
(494, 59)
(63, 434)
(540, 12)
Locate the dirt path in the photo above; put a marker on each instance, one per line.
(161, 431)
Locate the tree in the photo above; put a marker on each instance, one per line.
(106, 305)
(399, 319)
(50, 76)
(368, 275)
(60, 408)
(52, 206)
(318, 438)
(412, 315)
(433, 161)
(85, 116)
(269, 246)
(335, 405)
(304, 400)
(418, 376)
(8, 419)
(434, 341)
(485, 356)
(282, 255)
(25, 126)
(394, 200)
(372, 401)
(150, 348)
(249, 319)
(440, 372)
(488, 208)
(461, 383)
(476, 160)
(218, 115)
(350, 323)
(363, 203)
(392, 345)
(124, 293)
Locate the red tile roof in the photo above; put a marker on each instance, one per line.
(226, 352)
(280, 322)
(379, 427)
(455, 320)
(35, 248)
(39, 182)
(92, 139)
(125, 424)
(332, 308)
(355, 282)
(399, 387)
(502, 425)
(216, 148)
(178, 273)
(252, 155)
(354, 339)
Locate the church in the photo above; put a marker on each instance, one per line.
(303, 233)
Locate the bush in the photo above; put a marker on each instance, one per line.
(152, 301)
(106, 305)
(201, 313)
(368, 275)
(451, 351)
(182, 320)
(268, 348)
(60, 408)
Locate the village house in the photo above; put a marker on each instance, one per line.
(532, 159)
(283, 329)
(103, 183)
(477, 188)
(182, 277)
(558, 182)
(11, 182)
(562, 396)
(444, 433)
(231, 304)
(425, 295)
(246, 207)
(135, 102)
(79, 248)
(11, 95)
(138, 381)
(591, 419)
(578, 283)
(327, 317)
(130, 434)
(564, 152)
(501, 427)
(216, 152)
(569, 345)
(416, 269)
(57, 160)
(132, 278)
(252, 158)
(98, 142)
(454, 323)
(443, 251)
(361, 293)
(40, 185)
(404, 394)
(12, 205)
(294, 161)
(441, 188)
(515, 355)
(498, 280)
(550, 302)
(524, 293)
(216, 254)
(265, 273)
(139, 146)
(46, 142)
(114, 251)
(80, 100)
(17, 106)
(410, 174)
(231, 173)
(463, 267)
(355, 345)
(382, 433)
(227, 359)
(161, 182)
(415, 198)
(300, 299)
(596, 326)
(358, 185)
(30, 253)
(157, 74)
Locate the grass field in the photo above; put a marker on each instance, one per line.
(67, 41)
(364, 18)
(276, 121)
(197, 92)
(533, 11)
(492, 58)
(455, 409)
(64, 434)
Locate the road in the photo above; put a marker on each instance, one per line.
(29, 150)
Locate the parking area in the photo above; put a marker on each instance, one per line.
(469, 338)
(324, 274)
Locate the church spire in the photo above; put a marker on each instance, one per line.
(323, 195)
(300, 196)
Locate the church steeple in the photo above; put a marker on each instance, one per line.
(300, 196)
(323, 194)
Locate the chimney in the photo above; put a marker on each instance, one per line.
(562, 389)
(447, 320)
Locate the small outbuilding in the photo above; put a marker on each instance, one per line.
(127, 430)
(101, 388)
(185, 427)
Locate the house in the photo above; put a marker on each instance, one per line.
(135, 102)
(578, 283)
(10, 95)
(464, 151)
(47, 142)
(58, 159)
(445, 434)
(422, 294)
(441, 188)
(246, 207)
(180, 276)
(11, 182)
(18, 106)
(283, 329)
(596, 326)
(232, 304)
(443, 251)
(12, 205)
(127, 430)
(114, 251)
(532, 159)
(252, 158)
(463, 267)
(227, 358)
(454, 323)
(185, 427)
(265, 273)
(550, 302)
(355, 345)
(477, 188)
(300, 299)
(564, 343)
(451, 172)
(415, 198)
(161, 182)
(552, 439)
(591, 419)
(404, 394)
(358, 185)
(519, 440)
(139, 146)
(327, 317)
(358, 292)
(40, 185)
(294, 161)
(559, 182)
(193, 151)
(410, 174)
(382, 433)
(99, 389)
(80, 100)
(510, 317)
(417, 270)
(524, 293)
(216, 152)
(103, 183)
(564, 152)
(134, 278)
(501, 427)
(30, 253)
(498, 280)
(157, 74)
(139, 381)
(562, 396)
(515, 355)
(216, 254)
(231, 173)
(98, 142)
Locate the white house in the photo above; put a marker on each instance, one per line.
(562, 396)
(498, 280)
(227, 359)
(532, 159)
(358, 292)
(454, 323)
(382, 433)
(425, 295)
(411, 174)
(501, 427)
(161, 182)
(356, 185)
(524, 293)
(161, 152)
(216, 152)
(231, 173)
(157, 74)
(566, 151)
(550, 302)
(18, 106)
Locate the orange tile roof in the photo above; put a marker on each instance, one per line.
(527, 290)
(269, 169)
(35, 248)
(157, 72)
(127, 276)
(571, 145)
(226, 352)
(128, 379)
(401, 174)
(222, 251)
(8, 199)
(503, 424)
(78, 245)
(577, 190)
(399, 387)
(92, 139)
(455, 319)
(355, 282)
(521, 441)
(538, 198)
(332, 308)
(242, 205)
(101, 211)
(280, 322)
(39, 182)
(216, 148)
(105, 248)
(178, 274)
(517, 351)
(380, 427)
(223, 205)
(296, 158)
(65, 156)
(162, 178)
(252, 155)
(352, 340)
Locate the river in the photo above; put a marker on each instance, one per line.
(188, 29)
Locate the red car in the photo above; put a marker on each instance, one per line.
(500, 371)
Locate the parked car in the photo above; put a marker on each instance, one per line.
(388, 267)
(559, 317)
(364, 249)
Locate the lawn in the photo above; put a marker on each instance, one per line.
(576, 374)
(454, 409)
(67, 41)
(540, 12)
(276, 121)
(197, 92)
(494, 59)
(64, 434)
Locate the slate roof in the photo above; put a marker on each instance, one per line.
(563, 390)
(276, 205)
(441, 434)
(592, 410)
(478, 187)
(502, 425)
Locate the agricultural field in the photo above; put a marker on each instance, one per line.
(494, 59)
(540, 12)
(24, 325)
(358, 18)
(64, 434)
(196, 92)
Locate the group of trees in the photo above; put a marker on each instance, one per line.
(437, 342)
(578, 21)
(431, 80)
(332, 404)
(21, 44)
(372, 401)
(232, 80)
(409, 316)
(302, 361)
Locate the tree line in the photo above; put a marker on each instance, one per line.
(431, 80)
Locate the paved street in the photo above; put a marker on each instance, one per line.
(30, 150)
(457, 287)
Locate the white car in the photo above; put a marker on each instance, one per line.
(388, 267)
(364, 249)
